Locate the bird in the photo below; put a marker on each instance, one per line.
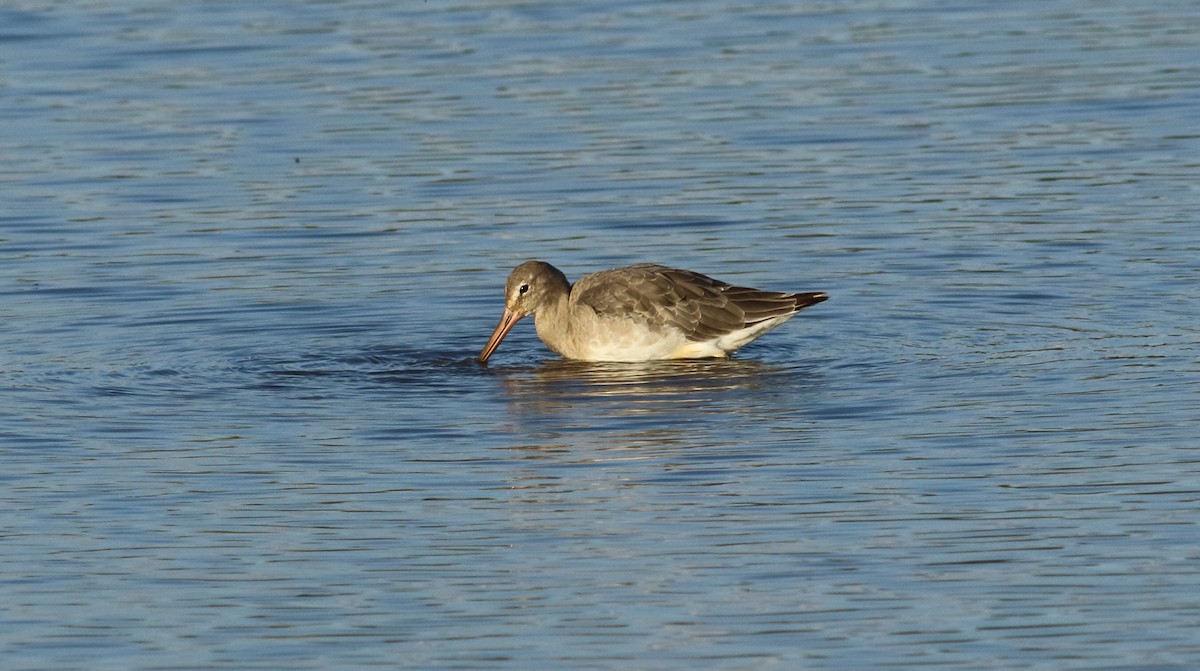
(644, 312)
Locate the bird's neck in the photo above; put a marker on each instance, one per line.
(553, 320)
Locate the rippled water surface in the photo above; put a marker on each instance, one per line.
(248, 252)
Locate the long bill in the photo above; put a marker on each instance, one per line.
(507, 321)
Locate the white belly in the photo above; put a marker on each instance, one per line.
(590, 338)
(620, 340)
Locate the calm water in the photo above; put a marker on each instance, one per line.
(250, 249)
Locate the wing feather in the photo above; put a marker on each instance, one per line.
(697, 305)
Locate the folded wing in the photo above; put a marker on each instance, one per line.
(699, 306)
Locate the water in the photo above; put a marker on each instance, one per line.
(249, 251)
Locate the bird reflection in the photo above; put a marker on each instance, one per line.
(632, 388)
(692, 423)
(565, 403)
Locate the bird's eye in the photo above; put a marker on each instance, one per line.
(524, 289)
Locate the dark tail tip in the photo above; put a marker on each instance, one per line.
(810, 298)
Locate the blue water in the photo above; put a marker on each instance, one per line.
(248, 252)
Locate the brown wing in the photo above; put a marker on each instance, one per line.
(699, 306)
